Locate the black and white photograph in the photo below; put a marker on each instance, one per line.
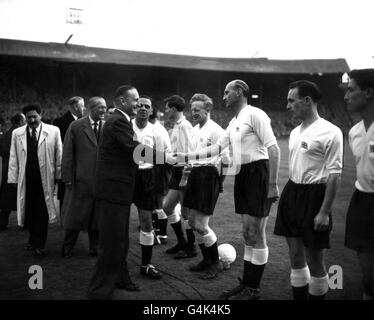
(184, 155)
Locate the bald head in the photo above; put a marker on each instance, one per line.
(240, 85)
(236, 94)
(96, 108)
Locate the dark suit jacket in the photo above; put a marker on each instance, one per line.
(79, 167)
(115, 168)
(63, 123)
(8, 194)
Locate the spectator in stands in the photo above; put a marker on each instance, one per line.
(8, 194)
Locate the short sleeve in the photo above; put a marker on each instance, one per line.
(334, 152)
(260, 122)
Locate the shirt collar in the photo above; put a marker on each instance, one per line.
(74, 116)
(180, 120)
(125, 114)
(37, 129)
(92, 121)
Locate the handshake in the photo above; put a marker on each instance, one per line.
(174, 158)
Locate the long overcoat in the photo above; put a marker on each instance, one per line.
(49, 155)
(78, 168)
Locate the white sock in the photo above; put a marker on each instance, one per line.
(248, 250)
(174, 218)
(146, 238)
(199, 238)
(319, 286)
(300, 277)
(210, 238)
(260, 256)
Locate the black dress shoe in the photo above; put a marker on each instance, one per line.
(67, 252)
(28, 247)
(39, 253)
(128, 286)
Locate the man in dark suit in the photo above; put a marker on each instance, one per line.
(114, 188)
(76, 111)
(78, 174)
(8, 194)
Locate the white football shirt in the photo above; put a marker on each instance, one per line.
(362, 146)
(315, 153)
(181, 137)
(162, 137)
(205, 136)
(248, 136)
(147, 137)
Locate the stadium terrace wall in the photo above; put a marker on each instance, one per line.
(53, 82)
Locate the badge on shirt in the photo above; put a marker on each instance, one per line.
(371, 149)
(304, 145)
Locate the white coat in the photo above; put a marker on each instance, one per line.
(49, 154)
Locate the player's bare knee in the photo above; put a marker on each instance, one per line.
(254, 235)
(248, 239)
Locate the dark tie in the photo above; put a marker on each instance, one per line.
(95, 130)
(33, 136)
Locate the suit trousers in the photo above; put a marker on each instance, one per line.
(37, 219)
(4, 218)
(111, 266)
(71, 237)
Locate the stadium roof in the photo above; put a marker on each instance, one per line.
(83, 54)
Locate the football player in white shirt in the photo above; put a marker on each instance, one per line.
(181, 141)
(304, 210)
(203, 186)
(255, 154)
(144, 196)
(359, 232)
(162, 175)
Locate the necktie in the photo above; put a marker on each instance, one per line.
(33, 136)
(95, 130)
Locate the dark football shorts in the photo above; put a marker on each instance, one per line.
(176, 176)
(359, 232)
(251, 189)
(298, 206)
(202, 189)
(162, 175)
(144, 196)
